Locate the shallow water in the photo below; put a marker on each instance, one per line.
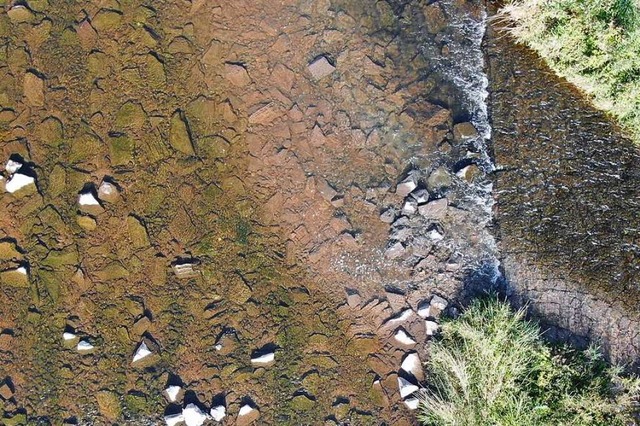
(227, 153)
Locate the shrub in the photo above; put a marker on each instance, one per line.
(491, 367)
(595, 44)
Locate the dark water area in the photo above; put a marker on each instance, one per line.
(568, 202)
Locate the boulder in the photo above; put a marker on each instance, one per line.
(16, 277)
(108, 192)
(407, 186)
(141, 352)
(21, 183)
(395, 251)
(12, 166)
(432, 327)
(403, 338)
(236, 74)
(410, 207)
(84, 347)
(86, 222)
(388, 216)
(247, 415)
(172, 393)
(33, 86)
(469, 173)
(20, 13)
(88, 203)
(263, 359)
(439, 303)
(405, 387)
(464, 131)
(193, 415)
(412, 365)
(9, 251)
(179, 135)
(435, 210)
(412, 403)
(320, 68)
(439, 180)
(218, 413)
(184, 270)
(421, 196)
(173, 419)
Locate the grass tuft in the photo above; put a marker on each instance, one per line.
(491, 367)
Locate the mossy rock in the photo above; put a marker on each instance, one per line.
(121, 150)
(17, 420)
(14, 278)
(113, 271)
(84, 148)
(137, 233)
(107, 20)
(156, 74)
(52, 282)
(130, 116)
(59, 259)
(98, 64)
(179, 136)
(108, 405)
(57, 181)
(50, 132)
(9, 251)
(302, 403)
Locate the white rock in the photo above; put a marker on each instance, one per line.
(218, 346)
(265, 359)
(439, 303)
(84, 346)
(412, 364)
(400, 318)
(406, 387)
(402, 337)
(22, 270)
(141, 353)
(409, 207)
(421, 196)
(435, 235)
(87, 199)
(432, 327)
(407, 186)
(245, 410)
(184, 270)
(412, 403)
(17, 182)
(172, 393)
(68, 336)
(321, 68)
(193, 415)
(108, 192)
(12, 166)
(173, 419)
(218, 413)
(424, 310)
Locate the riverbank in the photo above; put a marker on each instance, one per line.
(595, 44)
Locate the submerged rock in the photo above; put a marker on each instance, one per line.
(320, 68)
(464, 131)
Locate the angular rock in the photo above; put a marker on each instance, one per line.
(388, 216)
(432, 327)
(320, 68)
(141, 353)
(407, 186)
(435, 235)
(179, 134)
(403, 338)
(464, 131)
(439, 303)
(424, 309)
(469, 173)
(108, 192)
(410, 207)
(16, 277)
(237, 74)
(141, 326)
(12, 166)
(20, 13)
(395, 251)
(353, 299)
(172, 393)
(6, 391)
(33, 89)
(265, 114)
(193, 415)
(436, 209)
(68, 336)
(84, 347)
(326, 191)
(20, 184)
(88, 203)
(421, 196)
(9, 251)
(439, 180)
(86, 222)
(247, 415)
(406, 388)
(412, 365)
(412, 403)
(218, 413)
(184, 270)
(263, 359)
(173, 419)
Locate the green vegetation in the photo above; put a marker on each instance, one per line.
(595, 44)
(491, 367)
